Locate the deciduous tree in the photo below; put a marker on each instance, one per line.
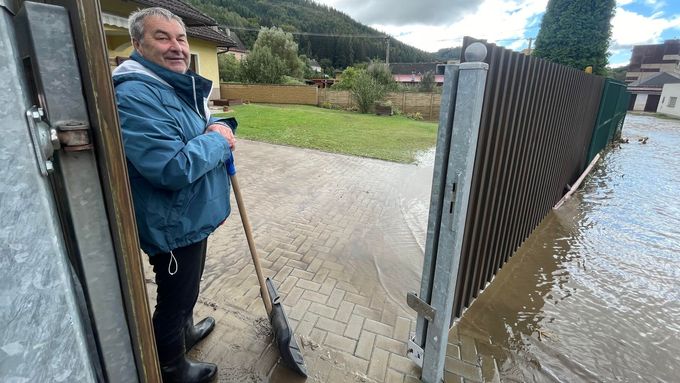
(281, 45)
(261, 66)
(347, 79)
(229, 68)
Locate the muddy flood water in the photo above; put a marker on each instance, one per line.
(594, 294)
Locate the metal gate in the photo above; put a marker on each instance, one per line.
(514, 135)
(610, 117)
(72, 296)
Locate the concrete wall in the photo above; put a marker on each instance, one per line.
(272, 94)
(669, 92)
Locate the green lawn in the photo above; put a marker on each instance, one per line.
(392, 138)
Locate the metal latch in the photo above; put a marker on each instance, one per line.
(74, 136)
(45, 139)
(420, 306)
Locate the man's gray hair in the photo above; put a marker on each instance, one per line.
(136, 20)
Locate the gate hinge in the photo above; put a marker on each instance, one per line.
(74, 136)
(44, 139)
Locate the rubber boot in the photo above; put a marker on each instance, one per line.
(184, 370)
(194, 334)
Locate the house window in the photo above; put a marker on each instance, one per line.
(672, 101)
(193, 65)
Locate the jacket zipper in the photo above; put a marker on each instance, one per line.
(193, 85)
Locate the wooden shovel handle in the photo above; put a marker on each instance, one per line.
(251, 244)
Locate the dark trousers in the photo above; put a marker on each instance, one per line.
(177, 280)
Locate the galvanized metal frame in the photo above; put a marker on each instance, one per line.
(454, 161)
(108, 148)
(442, 151)
(47, 39)
(512, 141)
(43, 333)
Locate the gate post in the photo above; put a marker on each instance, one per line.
(460, 117)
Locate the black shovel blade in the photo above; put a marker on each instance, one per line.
(288, 347)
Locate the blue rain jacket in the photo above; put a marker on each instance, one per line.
(178, 174)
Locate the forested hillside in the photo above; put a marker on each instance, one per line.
(342, 47)
(447, 54)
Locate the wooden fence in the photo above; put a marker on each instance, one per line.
(427, 104)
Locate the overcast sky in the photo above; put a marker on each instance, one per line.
(434, 24)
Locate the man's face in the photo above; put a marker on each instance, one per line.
(164, 43)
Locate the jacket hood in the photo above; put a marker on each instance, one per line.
(190, 87)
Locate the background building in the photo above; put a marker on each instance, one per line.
(204, 36)
(648, 60)
(669, 100)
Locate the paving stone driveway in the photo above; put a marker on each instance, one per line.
(343, 239)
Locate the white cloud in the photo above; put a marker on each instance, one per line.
(500, 21)
(396, 12)
(618, 64)
(505, 22)
(630, 28)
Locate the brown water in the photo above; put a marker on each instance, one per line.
(594, 293)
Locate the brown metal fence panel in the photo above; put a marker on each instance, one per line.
(537, 122)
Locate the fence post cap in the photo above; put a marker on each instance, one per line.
(475, 52)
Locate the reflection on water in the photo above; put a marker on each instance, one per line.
(594, 293)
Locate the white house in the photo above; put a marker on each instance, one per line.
(315, 66)
(646, 94)
(669, 103)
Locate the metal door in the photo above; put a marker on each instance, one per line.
(66, 303)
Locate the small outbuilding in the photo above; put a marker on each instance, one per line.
(669, 100)
(645, 94)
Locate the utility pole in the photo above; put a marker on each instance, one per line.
(529, 49)
(387, 54)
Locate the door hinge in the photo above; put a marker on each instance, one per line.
(74, 136)
(45, 139)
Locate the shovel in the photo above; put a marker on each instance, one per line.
(283, 334)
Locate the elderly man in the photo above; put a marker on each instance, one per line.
(177, 158)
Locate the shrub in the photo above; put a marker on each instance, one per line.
(415, 116)
(287, 80)
(427, 82)
(366, 91)
(261, 66)
(382, 75)
(347, 79)
(229, 68)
